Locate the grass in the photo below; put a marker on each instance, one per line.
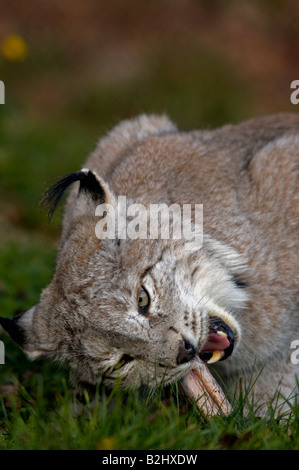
(43, 414)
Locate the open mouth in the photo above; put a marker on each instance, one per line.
(220, 343)
(199, 385)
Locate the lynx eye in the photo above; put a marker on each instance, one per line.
(143, 301)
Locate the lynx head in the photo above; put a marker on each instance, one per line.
(129, 309)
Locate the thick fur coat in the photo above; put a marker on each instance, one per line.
(245, 272)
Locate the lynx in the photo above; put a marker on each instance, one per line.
(149, 311)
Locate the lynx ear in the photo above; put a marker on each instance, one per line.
(92, 191)
(130, 131)
(19, 328)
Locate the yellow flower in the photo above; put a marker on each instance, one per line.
(14, 48)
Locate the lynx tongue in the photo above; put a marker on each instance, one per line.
(200, 386)
(216, 341)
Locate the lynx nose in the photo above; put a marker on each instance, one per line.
(186, 352)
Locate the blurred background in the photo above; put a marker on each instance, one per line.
(74, 69)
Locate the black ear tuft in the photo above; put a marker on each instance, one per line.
(12, 328)
(88, 182)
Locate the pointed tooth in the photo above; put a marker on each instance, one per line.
(215, 357)
(221, 333)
